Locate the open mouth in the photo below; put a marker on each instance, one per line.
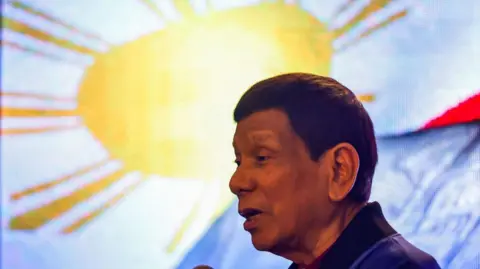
(249, 213)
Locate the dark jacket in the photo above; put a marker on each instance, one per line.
(369, 242)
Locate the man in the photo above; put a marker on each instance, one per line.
(306, 155)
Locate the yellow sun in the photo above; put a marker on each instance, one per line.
(161, 102)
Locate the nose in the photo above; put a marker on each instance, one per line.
(241, 182)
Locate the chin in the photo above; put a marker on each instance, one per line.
(263, 241)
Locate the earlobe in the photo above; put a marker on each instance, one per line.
(345, 165)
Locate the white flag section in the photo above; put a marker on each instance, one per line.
(428, 184)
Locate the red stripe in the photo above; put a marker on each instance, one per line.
(466, 111)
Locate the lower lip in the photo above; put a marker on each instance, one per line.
(251, 223)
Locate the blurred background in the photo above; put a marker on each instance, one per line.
(117, 122)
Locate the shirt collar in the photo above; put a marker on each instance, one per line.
(316, 263)
(367, 228)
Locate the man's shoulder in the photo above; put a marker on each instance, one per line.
(415, 264)
(396, 252)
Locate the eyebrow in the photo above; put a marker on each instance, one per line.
(266, 139)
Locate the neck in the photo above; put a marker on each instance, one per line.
(320, 238)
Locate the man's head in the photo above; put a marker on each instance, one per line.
(305, 147)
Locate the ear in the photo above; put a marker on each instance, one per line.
(345, 164)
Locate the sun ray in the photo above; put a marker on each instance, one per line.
(36, 96)
(390, 20)
(50, 18)
(25, 29)
(342, 8)
(185, 8)
(25, 131)
(102, 209)
(25, 48)
(372, 7)
(366, 98)
(38, 217)
(32, 112)
(154, 8)
(222, 202)
(48, 185)
(186, 224)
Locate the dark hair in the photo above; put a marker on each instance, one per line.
(323, 113)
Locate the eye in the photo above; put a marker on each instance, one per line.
(262, 158)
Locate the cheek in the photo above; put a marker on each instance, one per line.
(282, 195)
(297, 197)
(278, 185)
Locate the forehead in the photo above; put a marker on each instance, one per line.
(271, 126)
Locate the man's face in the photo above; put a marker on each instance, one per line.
(280, 189)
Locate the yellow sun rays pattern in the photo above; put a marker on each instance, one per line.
(168, 93)
(45, 16)
(20, 27)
